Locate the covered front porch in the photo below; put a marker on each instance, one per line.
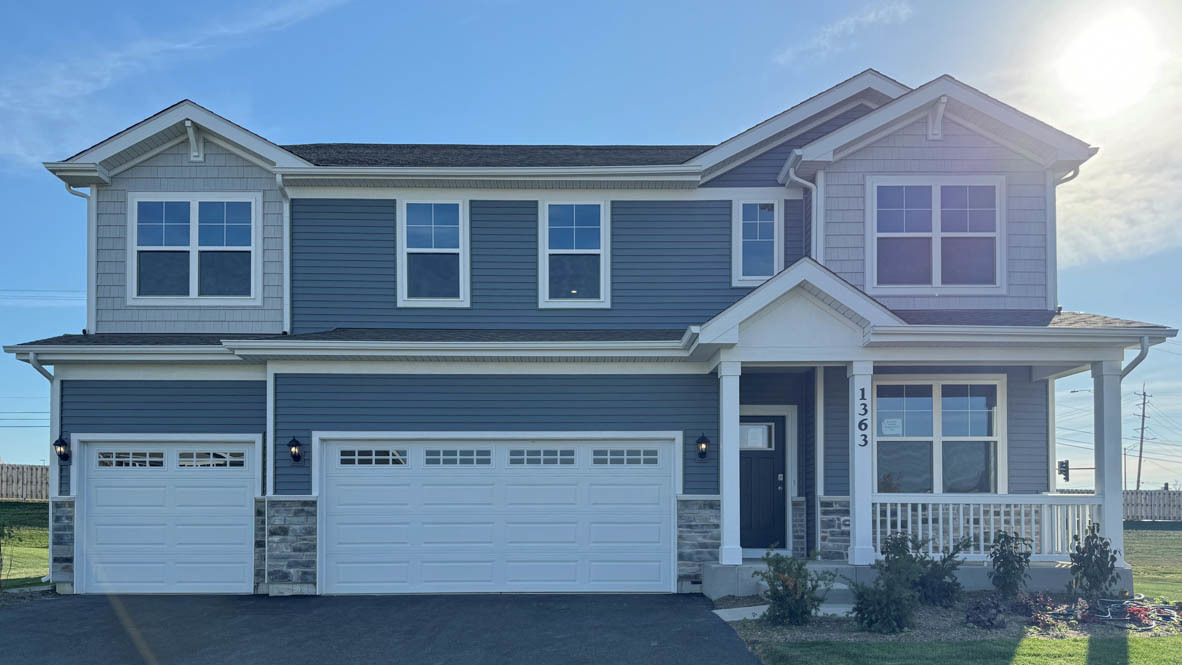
(942, 431)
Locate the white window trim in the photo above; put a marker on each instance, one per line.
(936, 381)
(465, 299)
(737, 276)
(193, 300)
(605, 260)
(936, 288)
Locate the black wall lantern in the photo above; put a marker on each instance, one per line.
(293, 447)
(703, 446)
(61, 447)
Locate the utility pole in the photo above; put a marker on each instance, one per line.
(1141, 445)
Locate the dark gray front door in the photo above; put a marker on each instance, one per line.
(762, 481)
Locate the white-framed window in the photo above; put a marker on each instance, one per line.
(756, 436)
(757, 242)
(458, 457)
(935, 234)
(940, 434)
(433, 254)
(626, 456)
(574, 254)
(210, 459)
(541, 456)
(372, 457)
(130, 459)
(194, 248)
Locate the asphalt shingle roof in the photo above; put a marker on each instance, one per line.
(427, 155)
(369, 335)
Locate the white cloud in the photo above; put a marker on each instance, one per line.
(43, 103)
(836, 36)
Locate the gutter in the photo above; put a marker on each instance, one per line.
(790, 176)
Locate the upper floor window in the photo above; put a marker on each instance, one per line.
(574, 260)
(935, 234)
(940, 435)
(757, 242)
(433, 254)
(193, 248)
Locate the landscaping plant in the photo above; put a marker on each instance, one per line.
(1010, 557)
(1093, 565)
(794, 593)
(937, 583)
(986, 612)
(888, 604)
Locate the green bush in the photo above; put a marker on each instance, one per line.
(1093, 565)
(937, 583)
(987, 612)
(1010, 556)
(794, 593)
(884, 606)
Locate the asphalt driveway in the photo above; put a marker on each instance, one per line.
(225, 630)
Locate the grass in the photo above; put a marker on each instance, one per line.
(1155, 551)
(1029, 651)
(26, 554)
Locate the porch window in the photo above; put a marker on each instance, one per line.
(935, 234)
(939, 436)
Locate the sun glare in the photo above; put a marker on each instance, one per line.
(1111, 64)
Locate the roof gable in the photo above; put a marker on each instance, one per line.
(819, 282)
(967, 106)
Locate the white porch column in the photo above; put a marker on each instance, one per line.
(730, 552)
(861, 550)
(1106, 410)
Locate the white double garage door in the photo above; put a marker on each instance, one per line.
(395, 516)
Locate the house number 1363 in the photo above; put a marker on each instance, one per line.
(863, 418)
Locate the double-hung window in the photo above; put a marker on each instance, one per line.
(929, 234)
(757, 242)
(940, 435)
(193, 249)
(433, 254)
(574, 261)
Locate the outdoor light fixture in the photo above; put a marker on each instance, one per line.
(62, 448)
(293, 447)
(703, 446)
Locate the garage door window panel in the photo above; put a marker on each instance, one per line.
(130, 459)
(626, 456)
(537, 456)
(210, 459)
(459, 456)
(386, 457)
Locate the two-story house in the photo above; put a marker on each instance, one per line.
(370, 368)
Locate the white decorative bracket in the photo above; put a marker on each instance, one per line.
(196, 143)
(936, 120)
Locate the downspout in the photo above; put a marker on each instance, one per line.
(792, 177)
(1069, 177)
(76, 192)
(1136, 361)
(39, 367)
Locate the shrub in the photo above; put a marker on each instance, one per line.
(1029, 603)
(1093, 565)
(1010, 556)
(937, 583)
(986, 612)
(884, 607)
(794, 593)
(1043, 620)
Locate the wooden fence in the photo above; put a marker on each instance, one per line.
(1153, 505)
(24, 481)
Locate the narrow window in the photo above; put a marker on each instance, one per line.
(433, 270)
(756, 243)
(189, 249)
(573, 265)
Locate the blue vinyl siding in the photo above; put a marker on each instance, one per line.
(836, 461)
(762, 169)
(670, 267)
(1026, 422)
(398, 402)
(162, 407)
(794, 231)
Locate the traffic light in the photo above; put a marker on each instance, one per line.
(1065, 470)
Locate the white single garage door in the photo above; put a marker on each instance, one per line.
(406, 517)
(168, 518)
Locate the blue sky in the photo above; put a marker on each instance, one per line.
(71, 74)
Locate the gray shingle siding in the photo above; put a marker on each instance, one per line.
(161, 407)
(762, 169)
(670, 267)
(438, 402)
(1026, 422)
(171, 171)
(908, 151)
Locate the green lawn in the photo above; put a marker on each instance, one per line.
(26, 556)
(1155, 551)
(1133, 651)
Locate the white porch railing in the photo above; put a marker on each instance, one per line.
(1050, 521)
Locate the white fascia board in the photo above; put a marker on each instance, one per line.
(205, 119)
(672, 173)
(54, 353)
(79, 174)
(806, 109)
(724, 325)
(824, 149)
